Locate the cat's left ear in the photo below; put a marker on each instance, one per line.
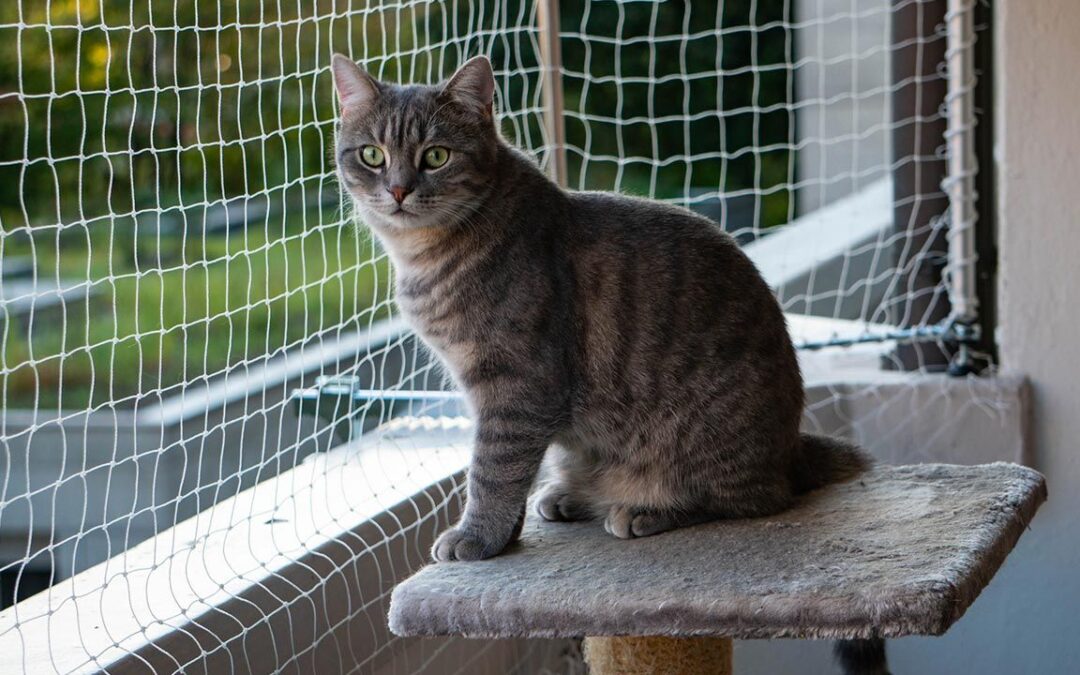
(473, 84)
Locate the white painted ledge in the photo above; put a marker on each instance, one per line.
(285, 560)
(808, 242)
(289, 366)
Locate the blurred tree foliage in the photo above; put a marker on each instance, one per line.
(677, 99)
(109, 108)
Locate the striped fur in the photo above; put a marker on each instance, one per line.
(631, 338)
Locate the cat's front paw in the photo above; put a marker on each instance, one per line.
(459, 543)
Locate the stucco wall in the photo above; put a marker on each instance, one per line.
(1028, 620)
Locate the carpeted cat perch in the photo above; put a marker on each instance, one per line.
(899, 551)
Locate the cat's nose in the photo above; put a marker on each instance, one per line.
(400, 192)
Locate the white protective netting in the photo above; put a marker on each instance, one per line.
(176, 261)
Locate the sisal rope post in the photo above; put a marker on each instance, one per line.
(658, 655)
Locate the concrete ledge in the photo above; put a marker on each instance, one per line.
(905, 418)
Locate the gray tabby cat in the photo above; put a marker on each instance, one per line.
(630, 339)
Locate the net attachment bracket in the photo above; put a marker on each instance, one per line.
(350, 410)
(966, 334)
(963, 333)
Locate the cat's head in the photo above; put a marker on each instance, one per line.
(416, 156)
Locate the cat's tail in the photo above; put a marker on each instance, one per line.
(861, 657)
(825, 460)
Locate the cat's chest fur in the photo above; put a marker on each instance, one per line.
(440, 301)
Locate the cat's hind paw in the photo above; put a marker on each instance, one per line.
(628, 522)
(556, 504)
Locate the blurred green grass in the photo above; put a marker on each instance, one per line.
(241, 297)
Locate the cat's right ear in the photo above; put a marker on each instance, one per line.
(355, 88)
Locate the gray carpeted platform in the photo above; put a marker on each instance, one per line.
(901, 551)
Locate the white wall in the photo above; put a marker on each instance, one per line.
(1028, 619)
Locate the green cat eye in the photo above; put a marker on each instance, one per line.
(436, 157)
(372, 156)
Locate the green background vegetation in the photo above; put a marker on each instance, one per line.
(731, 76)
(117, 113)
